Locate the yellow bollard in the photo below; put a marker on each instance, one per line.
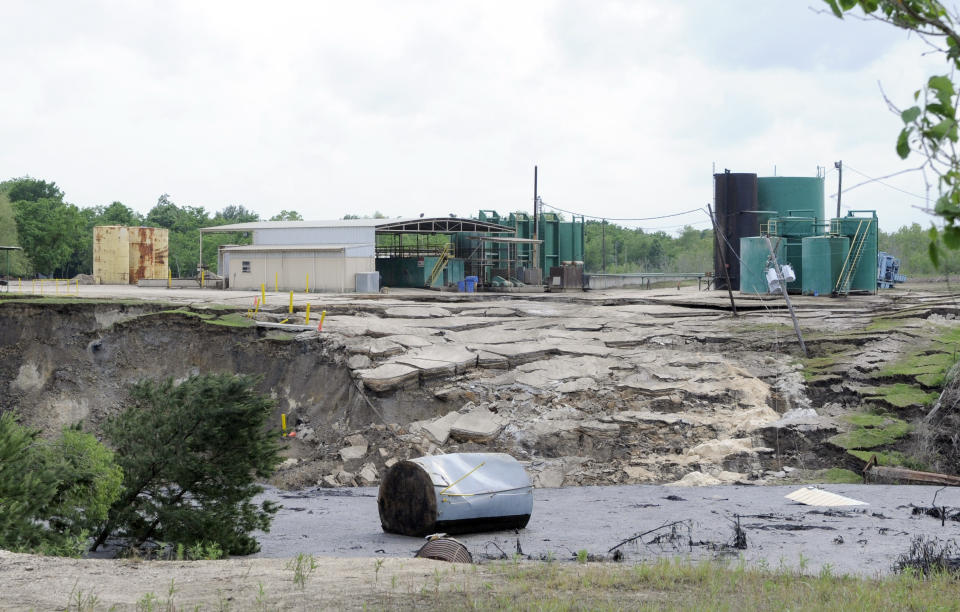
(276, 282)
(291, 302)
(256, 305)
(307, 322)
(308, 284)
(263, 293)
(283, 422)
(19, 285)
(201, 277)
(78, 286)
(323, 315)
(169, 278)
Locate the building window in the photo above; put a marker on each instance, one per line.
(245, 266)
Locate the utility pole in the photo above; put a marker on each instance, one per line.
(536, 246)
(786, 296)
(603, 245)
(839, 166)
(723, 260)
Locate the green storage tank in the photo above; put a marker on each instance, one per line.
(754, 253)
(794, 227)
(865, 275)
(794, 257)
(823, 257)
(791, 194)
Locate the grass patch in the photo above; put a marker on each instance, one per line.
(279, 335)
(234, 319)
(929, 369)
(684, 585)
(184, 312)
(882, 324)
(889, 458)
(871, 431)
(901, 395)
(842, 476)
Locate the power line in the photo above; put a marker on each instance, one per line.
(880, 181)
(569, 212)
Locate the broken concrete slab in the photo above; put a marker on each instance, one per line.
(376, 348)
(438, 360)
(409, 340)
(478, 425)
(359, 362)
(350, 453)
(416, 312)
(438, 430)
(388, 376)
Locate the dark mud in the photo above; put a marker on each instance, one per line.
(700, 523)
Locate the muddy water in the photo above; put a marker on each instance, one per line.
(864, 539)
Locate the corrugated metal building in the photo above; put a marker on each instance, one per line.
(332, 253)
(123, 255)
(290, 254)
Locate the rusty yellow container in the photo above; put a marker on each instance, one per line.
(149, 249)
(111, 255)
(123, 255)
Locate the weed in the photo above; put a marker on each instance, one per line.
(147, 603)
(377, 564)
(80, 601)
(302, 566)
(582, 555)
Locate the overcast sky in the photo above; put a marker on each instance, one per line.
(444, 107)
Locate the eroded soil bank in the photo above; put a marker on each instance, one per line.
(627, 387)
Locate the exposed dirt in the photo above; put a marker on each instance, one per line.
(48, 583)
(625, 387)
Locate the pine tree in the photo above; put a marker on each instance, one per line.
(192, 453)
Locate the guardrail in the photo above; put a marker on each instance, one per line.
(644, 279)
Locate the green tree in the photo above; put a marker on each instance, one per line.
(235, 214)
(930, 123)
(191, 454)
(31, 190)
(52, 493)
(49, 232)
(18, 262)
(288, 215)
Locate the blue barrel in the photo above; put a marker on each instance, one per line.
(473, 279)
(471, 285)
(461, 286)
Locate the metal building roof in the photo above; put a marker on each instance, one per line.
(291, 247)
(420, 225)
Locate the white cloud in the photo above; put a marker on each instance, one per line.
(433, 107)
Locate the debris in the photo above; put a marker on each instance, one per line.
(459, 492)
(930, 556)
(648, 532)
(440, 547)
(349, 453)
(478, 425)
(812, 496)
(873, 470)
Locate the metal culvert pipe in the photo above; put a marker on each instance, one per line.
(455, 493)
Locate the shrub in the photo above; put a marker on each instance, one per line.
(191, 454)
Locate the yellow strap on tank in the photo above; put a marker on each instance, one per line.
(454, 483)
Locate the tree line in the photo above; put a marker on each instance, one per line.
(57, 237)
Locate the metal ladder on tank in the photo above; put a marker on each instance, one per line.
(853, 258)
(438, 267)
